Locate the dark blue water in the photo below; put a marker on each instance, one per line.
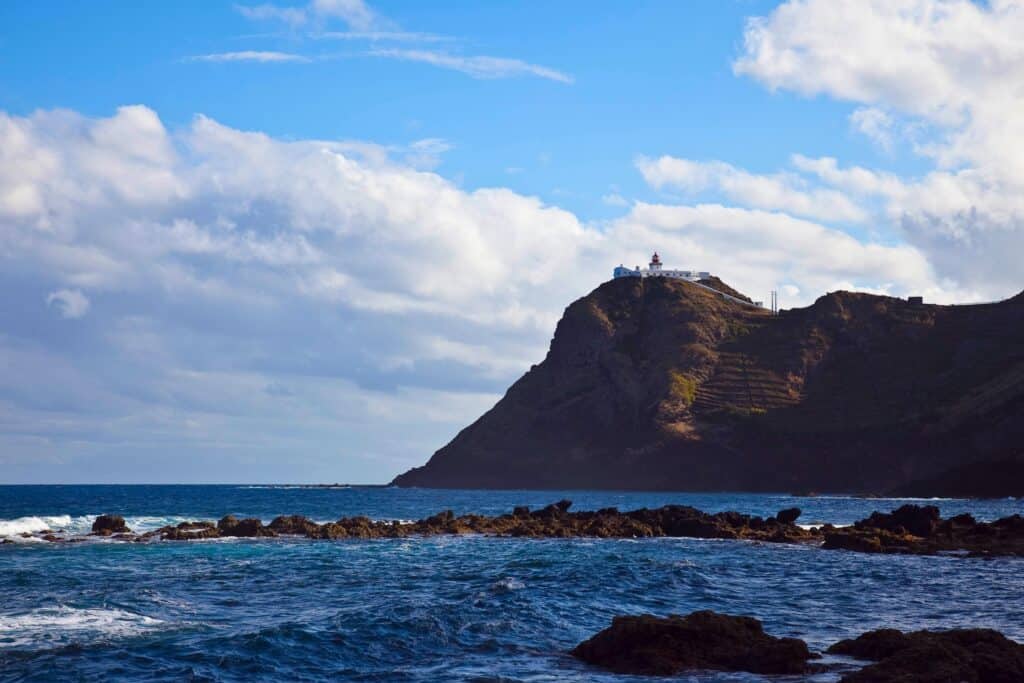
(434, 609)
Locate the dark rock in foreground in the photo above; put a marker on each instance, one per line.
(649, 645)
(971, 655)
(920, 530)
(105, 525)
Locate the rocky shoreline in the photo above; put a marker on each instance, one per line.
(910, 529)
(665, 646)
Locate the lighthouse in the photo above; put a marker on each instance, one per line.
(655, 263)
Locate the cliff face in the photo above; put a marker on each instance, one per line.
(659, 384)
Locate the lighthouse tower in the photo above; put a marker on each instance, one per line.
(655, 262)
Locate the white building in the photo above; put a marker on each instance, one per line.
(654, 269)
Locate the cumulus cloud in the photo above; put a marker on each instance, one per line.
(70, 302)
(951, 69)
(480, 66)
(264, 296)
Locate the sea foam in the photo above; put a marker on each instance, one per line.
(31, 525)
(60, 625)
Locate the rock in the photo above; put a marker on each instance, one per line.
(914, 519)
(109, 524)
(293, 525)
(920, 530)
(244, 528)
(649, 645)
(971, 655)
(189, 531)
(788, 516)
(521, 511)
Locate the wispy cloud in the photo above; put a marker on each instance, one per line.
(384, 36)
(293, 16)
(477, 67)
(355, 13)
(249, 56)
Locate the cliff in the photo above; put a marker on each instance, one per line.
(659, 384)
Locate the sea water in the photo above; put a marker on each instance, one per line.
(441, 608)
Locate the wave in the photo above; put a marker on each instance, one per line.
(62, 625)
(34, 524)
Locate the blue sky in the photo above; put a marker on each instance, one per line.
(311, 241)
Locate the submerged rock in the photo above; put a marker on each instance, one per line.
(664, 646)
(961, 655)
(105, 525)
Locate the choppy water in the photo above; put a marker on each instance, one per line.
(434, 609)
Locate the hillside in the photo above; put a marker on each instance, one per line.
(659, 384)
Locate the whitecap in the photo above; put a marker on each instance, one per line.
(62, 625)
(507, 585)
(34, 524)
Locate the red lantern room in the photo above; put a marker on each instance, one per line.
(655, 262)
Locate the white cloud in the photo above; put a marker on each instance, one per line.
(293, 16)
(426, 153)
(874, 123)
(71, 303)
(614, 199)
(262, 56)
(482, 66)
(777, 192)
(953, 69)
(355, 13)
(230, 262)
(384, 36)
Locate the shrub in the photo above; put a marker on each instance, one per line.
(682, 388)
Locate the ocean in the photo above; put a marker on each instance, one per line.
(440, 608)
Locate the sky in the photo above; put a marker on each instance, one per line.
(311, 241)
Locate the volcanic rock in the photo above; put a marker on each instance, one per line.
(920, 530)
(961, 655)
(788, 516)
(664, 646)
(105, 525)
(244, 528)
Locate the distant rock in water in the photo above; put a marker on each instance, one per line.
(974, 655)
(664, 646)
(656, 383)
(920, 530)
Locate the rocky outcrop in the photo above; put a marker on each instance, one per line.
(957, 656)
(664, 646)
(660, 384)
(552, 521)
(920, 530)
(908, 529)
(187, 531)
(105, 525)
(243, 528)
